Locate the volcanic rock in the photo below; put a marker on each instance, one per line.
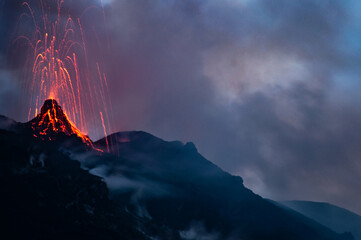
(52, 122)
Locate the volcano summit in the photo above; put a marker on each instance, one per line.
(52, 122)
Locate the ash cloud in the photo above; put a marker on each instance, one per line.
(268, 90)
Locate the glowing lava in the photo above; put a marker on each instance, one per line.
(57, 66)
(52, 121)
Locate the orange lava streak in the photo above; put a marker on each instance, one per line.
(52, 120)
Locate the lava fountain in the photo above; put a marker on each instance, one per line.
(58, 66)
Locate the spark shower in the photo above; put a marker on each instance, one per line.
(57, 64)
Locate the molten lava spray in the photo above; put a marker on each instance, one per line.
(58, 65)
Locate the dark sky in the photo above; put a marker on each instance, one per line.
(268, 90)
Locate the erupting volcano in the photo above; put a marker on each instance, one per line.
(57, 64)
(52, 121)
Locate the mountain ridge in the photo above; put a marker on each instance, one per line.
(162, 156)
(332, 216)
(167, 189)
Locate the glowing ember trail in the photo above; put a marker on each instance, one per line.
(105, 133)
(58, 67)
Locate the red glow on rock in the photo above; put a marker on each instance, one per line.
(52, 121)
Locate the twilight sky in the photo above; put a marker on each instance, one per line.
(268, 90)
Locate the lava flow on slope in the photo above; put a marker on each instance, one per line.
(52, 121)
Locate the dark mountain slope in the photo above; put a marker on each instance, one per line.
(165, 190)
(180, 188)
(333, 217)
(46, 195)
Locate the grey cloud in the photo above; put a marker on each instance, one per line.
(251, 82)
